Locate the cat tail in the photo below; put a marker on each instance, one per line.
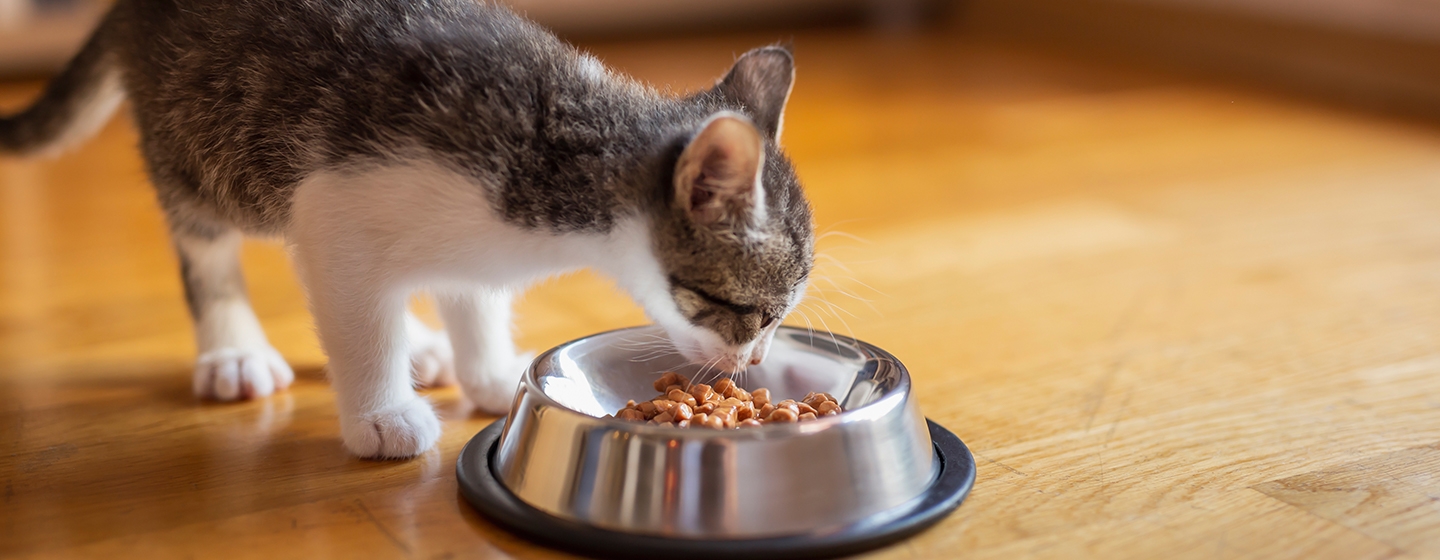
(75, 104)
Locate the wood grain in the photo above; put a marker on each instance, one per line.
(1391, 498)
(1171, 319)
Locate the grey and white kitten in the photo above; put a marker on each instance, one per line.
(440, 145)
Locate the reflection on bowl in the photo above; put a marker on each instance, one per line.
(559, 455)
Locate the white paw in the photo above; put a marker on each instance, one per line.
(492, 389)
(230, 374)
(397, 432)
(432, 362)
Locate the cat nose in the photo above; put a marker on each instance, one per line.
(757, 355)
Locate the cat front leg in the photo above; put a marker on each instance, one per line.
(235, 359)
(362, 328)
(486, 363)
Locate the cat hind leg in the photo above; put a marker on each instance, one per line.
(432, 359)
(236, 361)
(486, 363)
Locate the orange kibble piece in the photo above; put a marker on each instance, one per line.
(813, 399)
(725, 386)
(663, 418)
(765, 411)
(631, 414)
(702, 392)
(828, 408)
(782, 415)
(727, 414)
(760, 397)
(745, 412)
(805, 408)
(682, 411)
(680, 397)
(808, 416)
(750, 423)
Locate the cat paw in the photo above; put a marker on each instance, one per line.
(396, 432)
(432, 361)
(231, 374)
(493, 390)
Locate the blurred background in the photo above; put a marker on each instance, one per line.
(1371, 53)
(1169, 268)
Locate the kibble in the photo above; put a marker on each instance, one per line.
(723, 406)
(680, 397)
(631, 414)
(703, 393)
(765, 410)
(814, 399)
(682, 412)
(670, 379)
(782, 415)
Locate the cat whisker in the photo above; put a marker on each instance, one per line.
(833, 309)
(702, 376)
(826, 324)
(834, 261)
(832, 231)
(645, 337)
(851, 279)
(806, 316)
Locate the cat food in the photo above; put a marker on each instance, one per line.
(723, 406)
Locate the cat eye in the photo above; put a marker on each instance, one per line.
(766, 320)
(736, 308)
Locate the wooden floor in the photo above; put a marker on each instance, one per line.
(1173, 320)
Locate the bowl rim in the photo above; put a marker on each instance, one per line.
(895, 398)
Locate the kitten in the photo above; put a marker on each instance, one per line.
(440, 145)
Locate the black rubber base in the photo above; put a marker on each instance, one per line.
(490, 497)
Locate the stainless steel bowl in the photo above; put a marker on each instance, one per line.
(558, 454)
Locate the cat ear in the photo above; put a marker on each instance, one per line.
(717, 178)
(760, 81)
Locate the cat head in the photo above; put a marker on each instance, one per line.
(734, 238)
